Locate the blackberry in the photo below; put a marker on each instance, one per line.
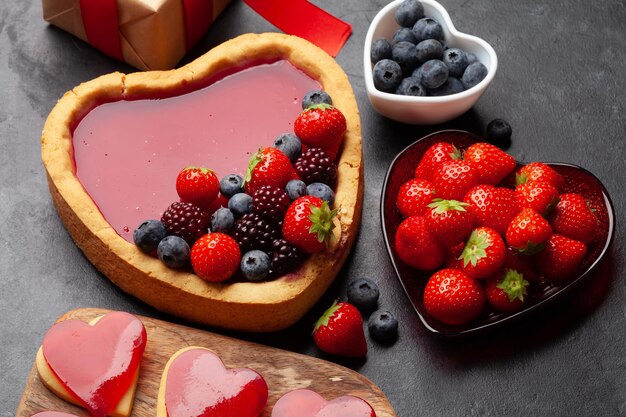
(186, 220)
(270, 202)
(254, 232)
(315, 165)
(285, 257)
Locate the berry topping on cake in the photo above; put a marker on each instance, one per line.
(240, 204)
(296, 189)
(199, 186)
(215, 257)
(255, 265)
(268, 166)
(186, 220)
(254, 232)
(231, 184)
(285, 257)
(222, 221)
(148, 235)
(314, 165)
(321, 126)
(314, 97)
(323, 191)
(270, 202)
(308, 224)
(173, 251)
(289, 144)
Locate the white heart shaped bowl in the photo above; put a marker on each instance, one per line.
(426, 110)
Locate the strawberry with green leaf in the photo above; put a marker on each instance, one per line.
(340, 331)
(321, 126)
(449, 221)
(537, 195)
(538, 171)
(506, 291)
(528, 232)
(268, 166)
(483, 254)
(435, 155)
(308, 224)
(198, 186)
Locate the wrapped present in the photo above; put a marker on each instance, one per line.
(147, 34)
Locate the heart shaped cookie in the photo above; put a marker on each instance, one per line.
(196, 383)
(94, 365)
(118, 102)
(307, 403)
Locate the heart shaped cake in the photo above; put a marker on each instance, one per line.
(308, 403)
(112, 147)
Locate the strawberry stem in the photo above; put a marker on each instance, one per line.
(322, 221)
(254, 161)
(323, 321)
(514, 285)
(441, 206)
(475, 248)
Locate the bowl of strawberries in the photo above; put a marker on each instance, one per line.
(479, 239)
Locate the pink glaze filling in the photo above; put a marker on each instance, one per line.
(128, 153)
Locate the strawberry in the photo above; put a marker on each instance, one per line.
(199, 186)
(414, 196)
(574, 218)
(493, 207)
(321, 126)
(538, 171)
(528, 232)
(483, 254)
(436, 154)
(452, 297)
(491, 163)
(537, 195)
(506, 290)
(559, 260)
(417, 247)
(521, 263)
(219, 202)
(268, 166)
(215, 257)
(449, 221)
(340, 331)
(308, 224)
(452, 179)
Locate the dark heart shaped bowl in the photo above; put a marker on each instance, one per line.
(577, 180)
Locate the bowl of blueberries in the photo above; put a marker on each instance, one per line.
(419, 69)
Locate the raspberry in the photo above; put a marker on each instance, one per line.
(254, 232)
(285, 257)
(186, 220)
(270, 202)
(315, 165)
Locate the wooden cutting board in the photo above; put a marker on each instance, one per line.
(282, 370)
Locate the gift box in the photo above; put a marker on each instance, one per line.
(147, 34)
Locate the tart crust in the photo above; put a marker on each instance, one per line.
(254, 307)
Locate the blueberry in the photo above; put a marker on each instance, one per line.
(255, 265)
(408, 12)
(148, 235)
(231, 185)
(417, 73)
(222, 221)
(429, 49)
(403, 35)
(410, 86)
(321, 190)
(381, 49)
(499, 133)
(315, 97)
(434, 74)
(473, 74)
(363, 294)
(452, 86)
(295, 189)
(471, 58)
(173, 251)
(383, 326)
(240, 204)
(405, 54)
(387, 75)
(290, 145)
(427, 28)
(456, 60)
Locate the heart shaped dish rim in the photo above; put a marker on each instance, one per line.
(429, 109)
(492, 320)
(247, 306)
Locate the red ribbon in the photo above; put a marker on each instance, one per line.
(303, 19)
(101, 26)
(101, 23)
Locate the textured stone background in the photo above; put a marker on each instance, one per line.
(560, 83)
